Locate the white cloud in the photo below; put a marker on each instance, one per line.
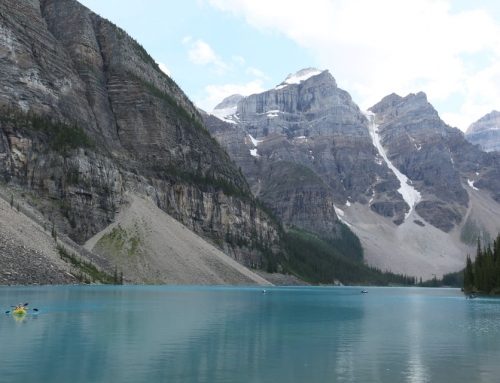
(374, 48)
(214, 94)
(256, 72)
(186, 39)
(202, 54)
(163, 68)
(238, 59)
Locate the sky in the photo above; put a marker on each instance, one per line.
(449, 49)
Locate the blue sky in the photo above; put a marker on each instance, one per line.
(214, 48)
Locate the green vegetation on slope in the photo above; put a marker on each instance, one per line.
(121, 243)
(455, 279)
(285, 175)
(322, 261)
(179, 110)
(61, 136)
(87, 272)
(227, 186)
(471, 231)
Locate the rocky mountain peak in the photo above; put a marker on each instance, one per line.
(414, 101)
(388, 101)
(309, 152)
(226, 109)
(229, 102)
(300, 76)
(486, 132)
(492, 118)
(411, 106)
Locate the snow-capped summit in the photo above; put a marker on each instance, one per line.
(227, 108)
(229, 102)
(297, 78)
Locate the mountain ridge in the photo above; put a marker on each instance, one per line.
(486, 132)
(315, 125)
(88, 121)
(70, 77)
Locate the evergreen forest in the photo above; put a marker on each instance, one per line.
(483, 275)
(320, 260)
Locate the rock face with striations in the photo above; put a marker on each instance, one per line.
(486, 132)
(397, 174)
(68, 75)
(308, 151)
(417, 143)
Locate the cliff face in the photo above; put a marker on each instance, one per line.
(437, 158)
(308, 150)
(62, 66)
(418, 144)
(486, 132)
(397, 174)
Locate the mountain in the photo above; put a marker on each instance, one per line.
(486, 132)
(88, 119)
(413, 189)
(294, 143)
(109, 168)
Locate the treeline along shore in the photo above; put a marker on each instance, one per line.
(483, 275)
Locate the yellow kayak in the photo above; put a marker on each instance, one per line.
(19, 312)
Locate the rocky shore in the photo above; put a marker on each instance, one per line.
(281, 279)
(28, 253)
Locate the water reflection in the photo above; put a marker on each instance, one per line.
(417, 371)
(253, 336)
(19, 318)
(139, 334)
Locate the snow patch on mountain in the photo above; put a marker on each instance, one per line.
(340, 215)
(409, 193)
(225, 114)
(297, 78)
(255, 142)
(339, 211)
(272, 113)
(471, 184)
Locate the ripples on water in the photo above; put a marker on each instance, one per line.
(191, 334)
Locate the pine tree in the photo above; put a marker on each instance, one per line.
(478, 266)
(496, 261)
(468, 275)
(489, 277)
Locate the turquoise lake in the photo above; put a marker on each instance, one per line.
(218, 334)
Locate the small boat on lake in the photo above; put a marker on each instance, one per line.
(19, 312)
(364, 291)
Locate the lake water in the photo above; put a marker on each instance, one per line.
(199, 334)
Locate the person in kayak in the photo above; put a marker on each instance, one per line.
(19, 306)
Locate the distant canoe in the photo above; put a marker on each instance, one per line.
(364, 291)
(19, 312)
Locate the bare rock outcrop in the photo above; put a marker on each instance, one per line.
(305, 148)
(86, 115)
(486, 132)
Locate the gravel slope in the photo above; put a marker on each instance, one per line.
(166, 253)
(151, 247)
(28, 253)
